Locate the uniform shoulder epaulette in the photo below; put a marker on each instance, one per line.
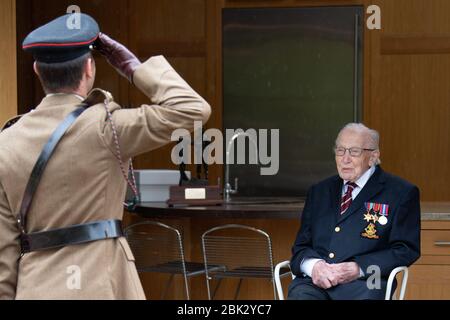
(98, 96)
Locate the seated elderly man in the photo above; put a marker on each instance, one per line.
(359, 224)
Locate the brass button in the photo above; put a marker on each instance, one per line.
(331, 255)
(337, 229)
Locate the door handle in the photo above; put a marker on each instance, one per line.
(442, 243)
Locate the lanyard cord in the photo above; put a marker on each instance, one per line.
(118, 155)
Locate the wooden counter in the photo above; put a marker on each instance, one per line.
(263, 208)
(435, 211)
(249, 208)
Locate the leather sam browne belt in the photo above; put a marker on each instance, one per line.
(71, 235)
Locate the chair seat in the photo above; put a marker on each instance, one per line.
(176, 267)
(246, 272)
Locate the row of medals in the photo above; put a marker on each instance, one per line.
(370, 231)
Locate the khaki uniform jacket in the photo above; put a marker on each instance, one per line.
(83, 183)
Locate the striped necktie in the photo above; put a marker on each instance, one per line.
(346, 200)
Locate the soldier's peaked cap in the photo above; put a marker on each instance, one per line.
(63, 39)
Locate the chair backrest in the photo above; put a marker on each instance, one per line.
(244, 251)
(157, 247)
(403, 284)
(278, 267)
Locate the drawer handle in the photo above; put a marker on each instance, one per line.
(442, 243)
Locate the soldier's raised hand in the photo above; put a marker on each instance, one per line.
(119, 56)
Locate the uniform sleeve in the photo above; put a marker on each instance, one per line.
(404, 239)
(9, 250)
(174, 105)
(303, 247)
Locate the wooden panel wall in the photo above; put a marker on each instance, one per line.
(8, 80)
(175, 29)
(409, 96)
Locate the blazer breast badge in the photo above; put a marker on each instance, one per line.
(375, 213)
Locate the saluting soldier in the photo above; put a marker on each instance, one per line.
(60, 232)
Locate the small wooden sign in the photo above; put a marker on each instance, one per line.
(195, 196)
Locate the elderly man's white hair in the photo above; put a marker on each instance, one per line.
(372, 135)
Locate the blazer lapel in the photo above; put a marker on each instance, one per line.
(336, 194)
(374, 186)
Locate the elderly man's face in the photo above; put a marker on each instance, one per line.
(352, 167)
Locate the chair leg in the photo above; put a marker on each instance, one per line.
(186, 284)
(208, 289)
(274, 289)
(216, 288)
(238, 289)
(169, 282)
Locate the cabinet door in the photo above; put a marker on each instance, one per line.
(428, 282)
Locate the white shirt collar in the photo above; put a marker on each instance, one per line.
(60, 94)
(361, 182)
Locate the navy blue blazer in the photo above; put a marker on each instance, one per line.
(325, 234)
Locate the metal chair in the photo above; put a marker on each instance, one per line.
(243, 251)
(158, 247)
(391, 278)
(278, 267)
(392, 275)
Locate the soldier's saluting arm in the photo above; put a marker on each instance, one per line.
(174, 103)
